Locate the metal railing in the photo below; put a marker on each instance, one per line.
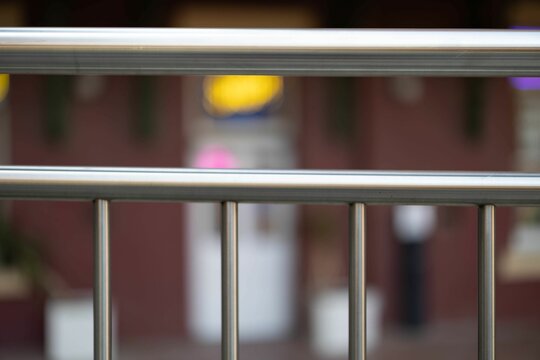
(285, 52)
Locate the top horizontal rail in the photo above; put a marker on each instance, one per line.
(314, 52)
(374, 187)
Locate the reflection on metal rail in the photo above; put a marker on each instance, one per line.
(313, 52)
(371, 187)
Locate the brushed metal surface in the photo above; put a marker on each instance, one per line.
(309, 52)
(288, 186)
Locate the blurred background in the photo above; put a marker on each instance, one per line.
(422, 261)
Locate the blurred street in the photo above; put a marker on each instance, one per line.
(441, 342)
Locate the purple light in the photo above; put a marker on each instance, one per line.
(525, 83)
(524, 27)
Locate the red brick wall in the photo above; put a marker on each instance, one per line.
(430, 135)
(147, 238)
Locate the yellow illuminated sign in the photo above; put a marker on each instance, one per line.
(236, 94)
(4, 86)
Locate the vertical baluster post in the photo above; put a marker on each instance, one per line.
(102, 282)
(486, 282)
(229, 280)
(357, 282)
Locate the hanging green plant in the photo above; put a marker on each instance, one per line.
(474, 108)
(341, 113)
(57, 98)
(144, 107)
(19, 252)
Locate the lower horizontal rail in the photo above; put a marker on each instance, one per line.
(368, 187)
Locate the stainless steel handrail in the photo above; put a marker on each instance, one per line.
(312, 52)
(371, 187)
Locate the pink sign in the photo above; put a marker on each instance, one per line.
(215, 157)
